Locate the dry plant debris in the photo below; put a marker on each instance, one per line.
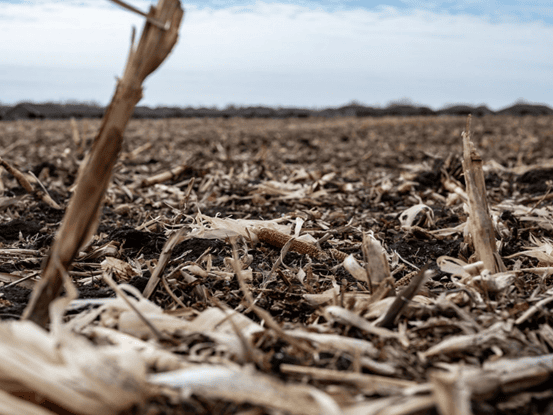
(297, 266)
(234, 226)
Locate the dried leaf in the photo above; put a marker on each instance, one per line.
(418, 215)
(243, 385)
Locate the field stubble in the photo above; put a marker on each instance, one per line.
(330, 182)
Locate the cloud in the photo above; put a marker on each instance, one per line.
(290, 54)
(500, 10)
(281, 37)
(65, 33)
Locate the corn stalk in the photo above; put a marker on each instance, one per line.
(81, 218)
(480, 223)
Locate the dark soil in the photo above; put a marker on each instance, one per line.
(357, 175)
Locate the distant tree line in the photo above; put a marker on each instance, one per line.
(26, 110)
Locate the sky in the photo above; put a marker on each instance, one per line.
(313, 54)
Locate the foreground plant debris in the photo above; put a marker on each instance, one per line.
(229, 273)
(302, 267)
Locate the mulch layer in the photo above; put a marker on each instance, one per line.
(333, 184)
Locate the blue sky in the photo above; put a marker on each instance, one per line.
(287, 53)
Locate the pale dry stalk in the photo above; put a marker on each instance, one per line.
(451, 393)
(377, 266)
(25, 184)
(163, 176)
(81, 218)
(480, 223)
(162, 263)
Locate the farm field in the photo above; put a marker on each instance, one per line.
(301, 336)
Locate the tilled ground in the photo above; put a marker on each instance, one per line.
(335, 180)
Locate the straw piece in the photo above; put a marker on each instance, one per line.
(25, 184)
(163, 176)
(404, 297)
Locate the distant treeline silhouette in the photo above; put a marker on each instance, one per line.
(26, 110)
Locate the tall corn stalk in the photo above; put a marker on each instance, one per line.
(80, 222)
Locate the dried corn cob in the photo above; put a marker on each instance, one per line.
(279, 239)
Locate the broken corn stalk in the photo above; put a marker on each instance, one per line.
(480, 224)
(82, 216)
